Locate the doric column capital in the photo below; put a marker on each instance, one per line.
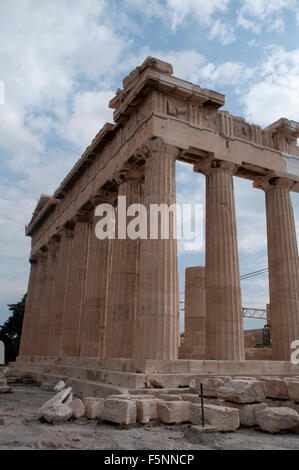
(67, 229)
(210, 165)
(272, 180)
(53, 243)
(156, 146)
(82, 217)
(103, 196)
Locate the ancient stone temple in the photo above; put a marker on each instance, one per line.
(106, 311)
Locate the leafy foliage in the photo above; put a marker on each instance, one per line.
(10, 331)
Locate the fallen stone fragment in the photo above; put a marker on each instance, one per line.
(173, 411)
(56, 409)
(242, 391)
(277, 419)
(222, 417)
(78, 408)
(56, 413)
(93, 407)
(59, 386)
(59, 398)
(275, 387)
(120, 411)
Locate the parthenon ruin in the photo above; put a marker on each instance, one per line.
(111, 307)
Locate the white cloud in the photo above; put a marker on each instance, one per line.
(90, 112)
(223, 32)
(258, 15)
(201, 9)
(275, 93)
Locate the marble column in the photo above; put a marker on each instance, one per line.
(158, 307)
(46, 298)
(123, 282)
(283, 267)
(94, 312)
(57, 312)
(224, 323)
(72, 324)
(27, 343)
(195, 314)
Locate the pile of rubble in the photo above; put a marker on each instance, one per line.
(270, 403)
(4, 388)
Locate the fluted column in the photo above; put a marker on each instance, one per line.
(57, 312)
(224, 324)
(72, 324)
(194, 314)
(123, 282)
(94, 313)
(158, 309)
(283, 267)
(46, 299)
(27, 340)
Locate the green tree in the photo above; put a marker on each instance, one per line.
(10, 331)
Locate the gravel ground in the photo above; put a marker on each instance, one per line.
(21, 428)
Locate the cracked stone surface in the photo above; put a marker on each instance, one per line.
(21, 428)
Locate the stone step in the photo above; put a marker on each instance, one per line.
(83, 387)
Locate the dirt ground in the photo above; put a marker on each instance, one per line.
(21, 428)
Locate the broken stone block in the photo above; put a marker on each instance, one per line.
(277, 419)
(275, 387)
(247, 412)
(146, 410)
(243, 391)
(210, 385)
(78, 408)
(173, 411)
(222, 417)
(56, 413)
(59, 386)
(59, 398)
(293, 389)
(120, 411)
(93, 407)
(56, 409)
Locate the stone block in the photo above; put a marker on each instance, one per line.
(247, 412)
(120, 411)
(243, 391)
(210, 385)
(146, 410)
(274, 420)
(275, 387)
(173, 411)
(224, 418)
(78, 408)
(293, 389)
(93, 407)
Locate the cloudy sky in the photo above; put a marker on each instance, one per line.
(62, 60)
